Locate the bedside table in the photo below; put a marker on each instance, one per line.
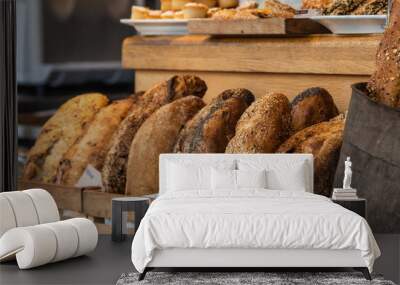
(120, 207)
(358, 206)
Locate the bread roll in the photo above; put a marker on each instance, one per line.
(324, 141)
(157, 135)
(114, 169)
(212, 128)
(263, 126)
(59, 133)
(384, 84)
(312, 106)
(92, 147)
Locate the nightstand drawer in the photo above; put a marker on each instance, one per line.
(358, 206)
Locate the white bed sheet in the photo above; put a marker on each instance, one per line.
(253, 218)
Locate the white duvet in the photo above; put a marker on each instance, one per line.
(250, 219)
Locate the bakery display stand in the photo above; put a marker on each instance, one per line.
(120, 208)
(356, 205)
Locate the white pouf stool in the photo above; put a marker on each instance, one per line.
(31, 232)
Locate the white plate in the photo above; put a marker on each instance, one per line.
(352, 24)
(158, 27)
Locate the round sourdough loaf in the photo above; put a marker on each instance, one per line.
(324, 141)
(312, 106)
(59, 133)
(93, 146)
(157, 135)
(114, 169)
(263, 126)
(212, 128)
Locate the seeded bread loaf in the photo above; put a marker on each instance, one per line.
(214, 126)
(157, 135)
(114, 169)
(263, 126)
(324, 141)
(59, 133)
(93, 146)
(312, 106)
(384, 84)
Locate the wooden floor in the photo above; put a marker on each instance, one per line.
(110, 260)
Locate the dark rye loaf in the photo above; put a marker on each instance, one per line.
(157, 135)
(214, 126)
(312, 106)
(324, 141)
(114, 170)
(384, 84)
(263, 127)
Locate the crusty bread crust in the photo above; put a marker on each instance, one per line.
(214, 126)
(92, 147)
(115, 166)
(312, 106)
(59, 133)
(263, 126)
(384, 84)
(324, 141)
(157, 135)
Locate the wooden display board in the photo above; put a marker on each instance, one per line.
(256, 27)
(274, 64)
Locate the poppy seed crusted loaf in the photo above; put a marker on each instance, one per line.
(263, 126)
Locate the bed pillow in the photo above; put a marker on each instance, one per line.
(251, 178)
(281, 175)
(225, 179)
(184, 175)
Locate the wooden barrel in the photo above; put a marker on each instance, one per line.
(372, 140)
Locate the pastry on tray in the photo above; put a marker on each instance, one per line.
(178, 5)
(139, 13)
(372, 7)
(195, 10)
(228, 3)
(342, 7)
(224, 14)
(248, 5)
(212, 11)
(166, 5)
(154, 14)
(179, 15)
(315, 4)
(279, 9)
(208, 3)
(168, 15)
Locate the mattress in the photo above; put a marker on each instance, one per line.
(250, 219)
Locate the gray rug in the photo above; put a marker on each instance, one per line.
(269, 278)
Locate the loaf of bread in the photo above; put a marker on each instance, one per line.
(315, 4)
(157, 135)
(312, 106)
(384, 84)
(372, 7)
(324, 141)
(93, 146)
(114, 169)
(59, 133)
(214, 126)
(263, 127)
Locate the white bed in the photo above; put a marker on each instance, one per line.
(249, 227)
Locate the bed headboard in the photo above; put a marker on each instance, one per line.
(210, 158)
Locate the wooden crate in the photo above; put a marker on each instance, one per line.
(79, 202)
